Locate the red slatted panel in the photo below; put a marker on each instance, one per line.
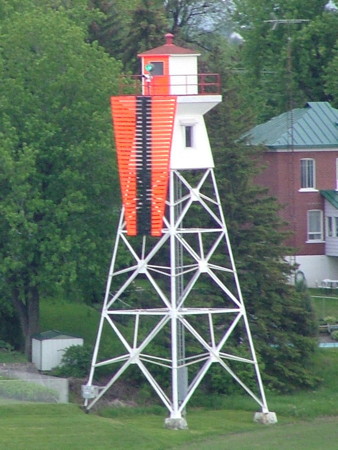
(124, 120)
(162, 123)
(163, 115)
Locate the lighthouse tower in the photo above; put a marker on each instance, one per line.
(173, 311)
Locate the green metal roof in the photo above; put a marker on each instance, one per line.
(314, 126)
(52, 334)
(331, 196)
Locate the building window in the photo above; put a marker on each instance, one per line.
(329, 226)
(335, 229)
(332, 226)
(315, 225)
(188, 134)
(307, 173)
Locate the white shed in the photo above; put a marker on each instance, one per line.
(48, 348)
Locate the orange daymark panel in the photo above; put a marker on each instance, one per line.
(128, 135)
(124, 121)
(162, 118)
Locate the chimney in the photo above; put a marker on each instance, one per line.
(169, 39)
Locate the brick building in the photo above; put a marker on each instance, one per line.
(301, 171)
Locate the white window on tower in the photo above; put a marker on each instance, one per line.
(188, 127)
(188, 135)
(315, 225)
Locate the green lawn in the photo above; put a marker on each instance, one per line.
(49, 427)
(306, 420)
(314, 435)
(325, 306)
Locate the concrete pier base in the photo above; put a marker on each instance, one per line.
(176, 424)
(267, 418)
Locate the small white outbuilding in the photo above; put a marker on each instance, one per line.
(48, 348)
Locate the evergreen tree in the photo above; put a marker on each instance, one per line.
(331, 82)
(146, 30)
(109, 28)
(281, 318)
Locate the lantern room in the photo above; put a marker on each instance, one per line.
(169, 70)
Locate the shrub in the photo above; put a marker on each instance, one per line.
(6, 346)
(75, 362)
(334, 335)
(330, 320)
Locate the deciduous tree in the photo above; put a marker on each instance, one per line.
(56, 170)
(287, 49)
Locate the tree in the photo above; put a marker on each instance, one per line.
(331, 84)
(146, 30)
(313, 51)
(286, 52)
(109, 29)
(281, 318)
(184, 14)
(56, 171)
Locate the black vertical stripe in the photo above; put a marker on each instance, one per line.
(143, 164)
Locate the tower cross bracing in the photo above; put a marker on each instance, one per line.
(159, 306)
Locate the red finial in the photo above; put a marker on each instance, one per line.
(169, 38)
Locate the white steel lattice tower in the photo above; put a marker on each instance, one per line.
(172, 279)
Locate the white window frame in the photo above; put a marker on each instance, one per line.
(307, 175)
(315, 235)
(188, 126)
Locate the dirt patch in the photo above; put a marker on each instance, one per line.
(121, 394)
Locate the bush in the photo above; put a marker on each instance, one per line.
(334, 335)
(75, 362)
(6, 346)
(330, 320)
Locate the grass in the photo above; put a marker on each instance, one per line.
(12, 357)
(314, 435)
(66, 426)
(73, 318)
(306, 420)
(77, 319)
(325, 302)
(40, 426)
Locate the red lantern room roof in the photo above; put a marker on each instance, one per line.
(169, 48)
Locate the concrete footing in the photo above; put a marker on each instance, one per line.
(267, 418)
(176, 424)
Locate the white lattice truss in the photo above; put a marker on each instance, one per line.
(178, 306)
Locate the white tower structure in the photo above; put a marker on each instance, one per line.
(173, 304)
